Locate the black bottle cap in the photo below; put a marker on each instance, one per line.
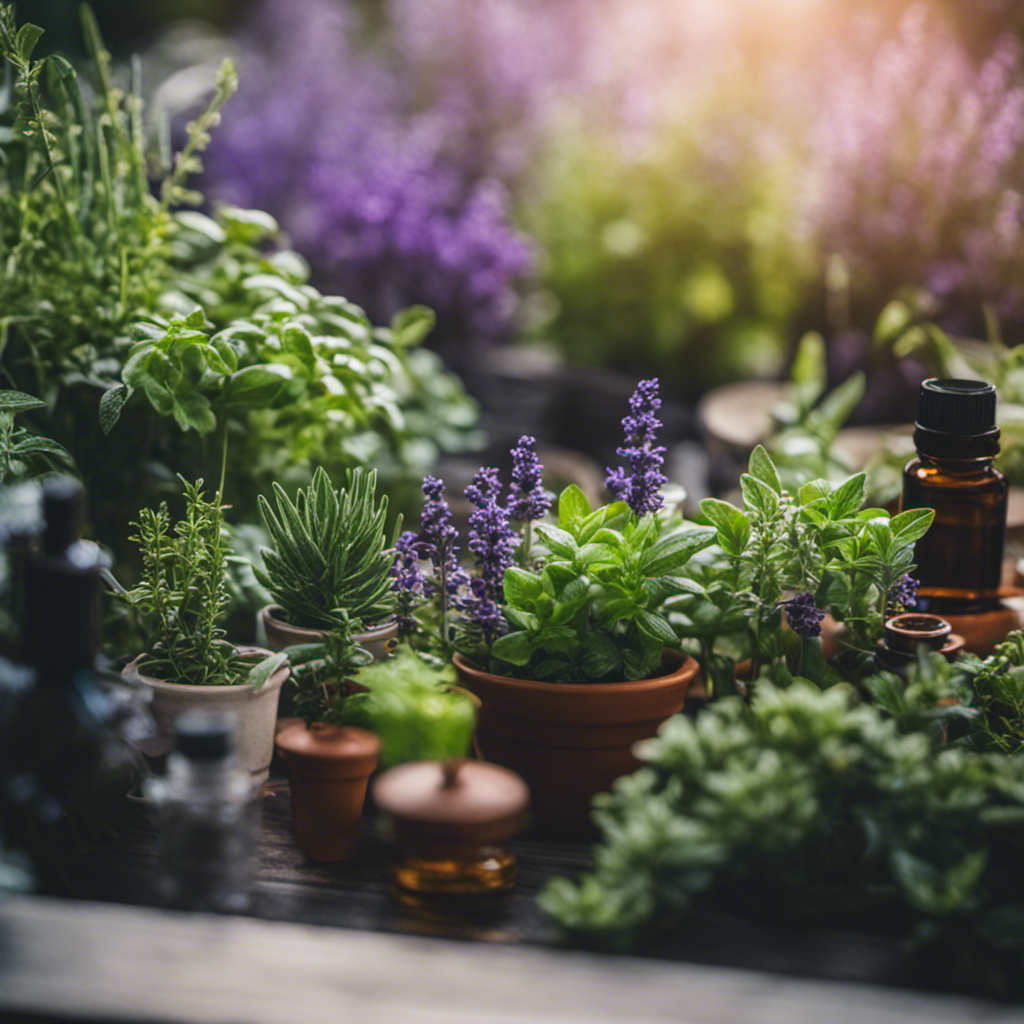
(63, 497)
(965, 407)
(205, 735)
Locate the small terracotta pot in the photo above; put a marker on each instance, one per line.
(572, 740)
(256, 711)
(328, 768)
(281, 634)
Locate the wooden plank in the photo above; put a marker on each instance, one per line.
(84, 961)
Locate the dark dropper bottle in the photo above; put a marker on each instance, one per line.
(62, 588)
(959, 560)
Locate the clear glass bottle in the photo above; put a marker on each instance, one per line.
(959, 560)
(208, 818)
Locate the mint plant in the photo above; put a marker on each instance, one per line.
(331, 560)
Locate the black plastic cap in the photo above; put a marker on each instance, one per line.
(63, 498)
(965, 407)
(205, 735)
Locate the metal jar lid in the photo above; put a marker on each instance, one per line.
(455, 802)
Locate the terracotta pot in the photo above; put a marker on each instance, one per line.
(572, 740)
(281, 634)
(328, 768)
(256, 711)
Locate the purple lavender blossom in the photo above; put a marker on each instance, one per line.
(493, 542)
(803, 616)
(902, 594)
(407, 581)
(641, 490)
(440, 544)
(918, 153)
(528, 500)
(385, 198)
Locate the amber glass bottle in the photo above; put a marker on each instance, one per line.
(959, 560)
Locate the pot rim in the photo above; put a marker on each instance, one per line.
(382, 631)
(687, 668)
(277, 679)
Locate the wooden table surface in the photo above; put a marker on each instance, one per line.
(328, 942)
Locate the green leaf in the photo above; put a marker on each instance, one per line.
(656, 627)
(809, 372)
(197, 320)
(894, 319)
(600, 656)
(732, 525)
(675, 550)
(813, 490)
(260, 673)
(255, 385)
(573, 508)
(759, 496)
(17, 401)
(838, 405)
(561, 542)
(297, 341)
(192, 410)
(762, 468)
(27, 38)
(910, 526)
(227, 352)
(521, 587)
(515, 648)
(111, 403)
(37, 445)
(410, 326)
(845, 501)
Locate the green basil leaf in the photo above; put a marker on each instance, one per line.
(573, 508)
(515, 648)
(656, 627)
(255, 385)
(521, 587)
(675, 550)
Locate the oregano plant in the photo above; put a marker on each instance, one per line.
(799, 556)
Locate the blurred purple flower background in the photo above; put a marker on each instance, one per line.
(391, 199)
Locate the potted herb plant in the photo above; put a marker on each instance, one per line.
(789, 558)
(181, 600)
(402, 708)
(559, 633)
(330, 563)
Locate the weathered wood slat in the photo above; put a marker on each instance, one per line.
(79, 960)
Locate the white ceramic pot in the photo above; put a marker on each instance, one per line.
(256, 711)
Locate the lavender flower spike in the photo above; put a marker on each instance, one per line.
(493, 542)
(902, 594)
(406, 581)
(642, 490)
(803, 616)
(528, 500)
